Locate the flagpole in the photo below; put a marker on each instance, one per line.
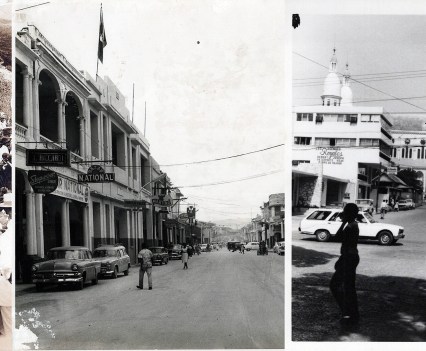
(97, 55)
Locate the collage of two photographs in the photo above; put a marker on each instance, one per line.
(212, 175)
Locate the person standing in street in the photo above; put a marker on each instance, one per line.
(342, 284)
(145, 260)
(185, 257)
(383, 207)
(242, 248)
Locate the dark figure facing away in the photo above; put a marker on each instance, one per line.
(342, 284)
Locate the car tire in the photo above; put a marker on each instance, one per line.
(167, 261)
(80, 285)
(322, 235)
(126, 272)
(161, 262)
(385, 238)
(95, 280)
(39, 287)
(115, 274)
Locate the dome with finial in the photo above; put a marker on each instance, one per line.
(332, 85)
(346, 93)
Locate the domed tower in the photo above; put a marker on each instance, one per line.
(346, 89)
(332, 87)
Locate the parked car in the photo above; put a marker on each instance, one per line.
(324, 223)
(252, 245)
(159, 255)
(113, 259)
(203, 247)
(67, 265)
(279, 247)
(175, 252)
(365, 205)
(407, 204)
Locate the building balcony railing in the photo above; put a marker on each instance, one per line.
(20, 132)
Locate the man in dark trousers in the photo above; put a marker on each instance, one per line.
(145, 260)
(342, 284)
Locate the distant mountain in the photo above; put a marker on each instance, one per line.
(233, 223)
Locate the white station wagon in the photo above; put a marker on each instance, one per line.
(324, 224)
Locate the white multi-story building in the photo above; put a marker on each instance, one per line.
(338, 148)
(60, 107)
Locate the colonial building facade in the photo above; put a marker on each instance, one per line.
(60, 107)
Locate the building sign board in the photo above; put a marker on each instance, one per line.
(96, 174)
(392, 170)
(330, 155)
(72, 190)
(43, 182)
(47, 157)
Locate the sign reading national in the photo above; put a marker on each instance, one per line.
(96, 174)
(43, 157)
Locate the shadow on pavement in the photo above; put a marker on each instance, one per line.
(391, 309)
(302, 257)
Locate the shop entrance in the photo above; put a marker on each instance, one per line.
(76, 223)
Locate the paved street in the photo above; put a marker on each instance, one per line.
(390, 282)
(224, 300)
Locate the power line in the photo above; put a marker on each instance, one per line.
(231, 181)
(28, 7)
(366, 85)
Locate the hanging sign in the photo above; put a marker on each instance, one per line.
(330, 155)
(43, 182)
(44, 157)
(96, 174)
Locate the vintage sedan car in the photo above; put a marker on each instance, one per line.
(324, 224)
(114, 260)
(365, 205)
(66, 265)
(203, 247)
(175, 252)
(252, 245)
(160, 255)
(407, 204)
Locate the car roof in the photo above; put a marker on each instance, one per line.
(156, 247)
(64, 248)
(109, 247)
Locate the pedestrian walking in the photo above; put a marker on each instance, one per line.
(342, 284)
(396, 207)
(185, 257)
(145, 260)
(242, 248)
(383, 208)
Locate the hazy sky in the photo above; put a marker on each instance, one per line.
(219, 97)
(371, 44)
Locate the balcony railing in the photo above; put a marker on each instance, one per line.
(20, 131)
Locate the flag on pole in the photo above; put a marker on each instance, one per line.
(102, 39)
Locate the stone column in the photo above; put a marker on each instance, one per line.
(27, 92)
(30, 222)
(39, 232)
(61, 120)
(65, 223)
(86, 240)
(82, 121)
(36, 113)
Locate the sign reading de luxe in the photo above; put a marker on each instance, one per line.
(96, 174)
(43, 182)
(43, 157)
(330, 155)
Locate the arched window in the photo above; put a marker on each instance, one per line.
(410, 153)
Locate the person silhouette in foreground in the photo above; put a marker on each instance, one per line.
(342, 284)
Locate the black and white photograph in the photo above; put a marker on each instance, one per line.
(6, 227)
(150, 174)
(358, 178)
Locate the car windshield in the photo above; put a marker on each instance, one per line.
(177, 247)
(155, 249)
(370, 218)
(104, 253)
(67, 254)
(363, 202)
(402, 201)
